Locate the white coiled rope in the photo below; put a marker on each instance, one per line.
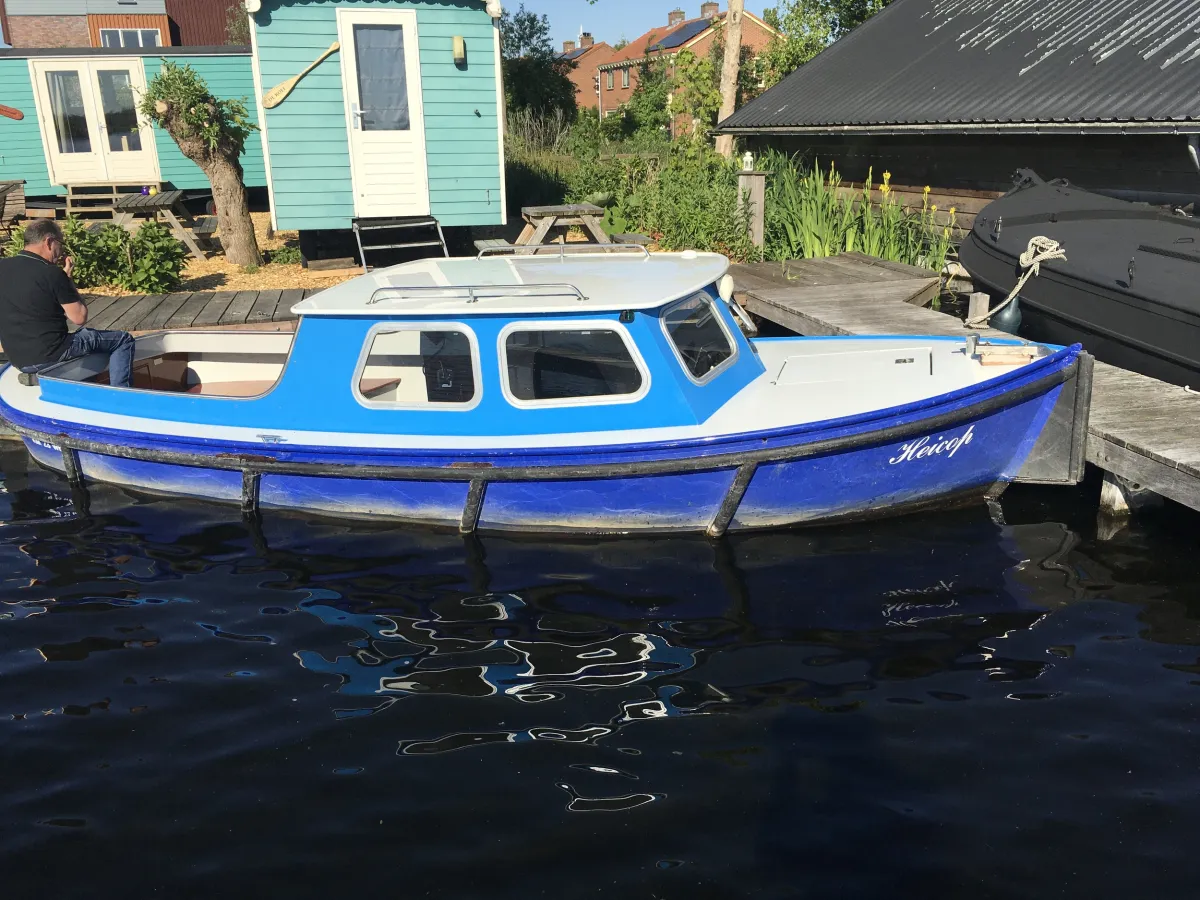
(1041, 249)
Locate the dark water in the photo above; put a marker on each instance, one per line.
(936, 707)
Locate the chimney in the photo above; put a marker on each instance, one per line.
(675, 17)
(586, 40)
(568, 46)
(710, 10)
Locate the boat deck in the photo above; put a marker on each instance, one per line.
(1140, 428)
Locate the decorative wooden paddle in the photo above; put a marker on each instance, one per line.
(10, 113)
(278, 94)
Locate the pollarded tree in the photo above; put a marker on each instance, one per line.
(211, 133)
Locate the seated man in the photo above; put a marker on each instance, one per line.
(37, 297)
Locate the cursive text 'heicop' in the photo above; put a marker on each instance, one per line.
(926, 446)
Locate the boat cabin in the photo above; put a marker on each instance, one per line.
(538, 349)
(530, 345)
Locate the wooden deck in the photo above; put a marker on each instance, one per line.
(1140, 428)
(205, 309)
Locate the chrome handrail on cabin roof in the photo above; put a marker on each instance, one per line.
(473, 293)
(577, 249)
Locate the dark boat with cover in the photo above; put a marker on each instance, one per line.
(1128, 290)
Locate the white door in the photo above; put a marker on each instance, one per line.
(381, 74)
(90, 125)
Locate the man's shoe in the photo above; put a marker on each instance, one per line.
(29, 379)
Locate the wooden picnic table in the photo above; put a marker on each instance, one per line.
(543, 221)
(169, 205)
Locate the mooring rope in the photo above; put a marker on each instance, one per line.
(1041, 249)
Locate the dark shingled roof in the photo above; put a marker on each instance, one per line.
(683, 34)
(997, 65)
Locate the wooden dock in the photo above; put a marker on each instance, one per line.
(205, 309)
(1140, 428)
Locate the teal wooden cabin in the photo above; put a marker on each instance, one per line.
(80, 125)
(402, 124)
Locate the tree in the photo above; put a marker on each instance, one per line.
(729, 71)
(540, 85)
(846, 15)
(525, 34)
(805, 29)
(211, 133)
(237, 25)
(647, 111)
(534, 79)
(697, 87)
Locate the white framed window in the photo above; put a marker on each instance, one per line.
(426, 365)
(699, 336)
(610, 79)
(130, 37)
(570, 363)
(625, 77)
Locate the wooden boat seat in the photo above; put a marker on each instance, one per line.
(231, 388)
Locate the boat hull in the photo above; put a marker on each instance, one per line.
(946, 451)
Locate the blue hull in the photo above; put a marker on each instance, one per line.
(953, 448)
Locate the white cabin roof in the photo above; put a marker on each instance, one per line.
(521, 285)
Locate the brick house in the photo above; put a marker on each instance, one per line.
(618, 76)
(129, 24)
(586, 55)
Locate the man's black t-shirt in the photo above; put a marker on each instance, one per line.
(33, 326)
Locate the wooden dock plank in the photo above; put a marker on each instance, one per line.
(114, 311)
(263, 309)
(242, 303)
(160, 314)
(128, 321)
(1140, 428)
(287, 299)
(186, 314)
(97, 305)
(214, 309)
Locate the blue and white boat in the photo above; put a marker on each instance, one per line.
(581, 393)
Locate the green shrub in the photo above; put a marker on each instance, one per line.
(148, 262)
(95, 261)
(155, 260)
(16, 241)
(284, 255)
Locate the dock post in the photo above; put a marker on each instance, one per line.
(979, 304)
(752, 203)
(1120, 498)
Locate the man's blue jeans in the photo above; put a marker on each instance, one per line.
(117, 344)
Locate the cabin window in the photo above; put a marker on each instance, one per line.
(418, 367)
(699, 336)
(561, 365)
(130, 37)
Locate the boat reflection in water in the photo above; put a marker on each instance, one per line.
(637, 630)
